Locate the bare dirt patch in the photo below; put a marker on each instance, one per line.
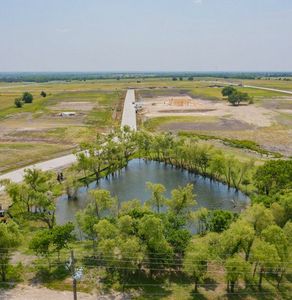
(78, 106)
(223, 124)
(175, 106)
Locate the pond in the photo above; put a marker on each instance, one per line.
(130, 184)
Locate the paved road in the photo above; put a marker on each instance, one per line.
(129, 112)
(129, 118)
(268, 89)
(254, 87)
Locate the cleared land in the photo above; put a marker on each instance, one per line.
(267, 122)
(37, 132)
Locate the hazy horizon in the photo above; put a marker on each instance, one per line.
(146, 36)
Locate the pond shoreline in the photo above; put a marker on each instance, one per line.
(129, 183)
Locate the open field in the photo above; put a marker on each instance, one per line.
(98, 103)
(26, 133)
(268, 122)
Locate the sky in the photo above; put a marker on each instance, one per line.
(145, 35)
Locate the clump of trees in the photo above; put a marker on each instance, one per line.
(165, 235)
(46, 242)
(25, 98)
(34, 198)
(234, 96)
(109, 154)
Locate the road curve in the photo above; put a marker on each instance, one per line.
(129, 119)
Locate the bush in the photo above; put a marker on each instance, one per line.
(18, 102)
(27, 97)
(43, 94)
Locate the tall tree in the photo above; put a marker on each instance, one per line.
(236, 267)
(182, 200)
(266, 259)
(196, 260)
(157, 199)
(10, 238)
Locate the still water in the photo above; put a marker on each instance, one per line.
(130, 184)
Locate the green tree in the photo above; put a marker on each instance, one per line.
(34, 199)
(273, 176)
(219, 220)
(18, 102)
(157, 199)
(239, 237)
(276, 236)
(10, 238)
(227, 91)
(175, 232)
(237, 97)
(236, 267)
(196, 260)
(106, 230)
(62, 235)
(151, 230)
(259, 217)
(266, 259)
(182, 200)
(43, 94)
(27, 97)
(102, 202)
(41, 244)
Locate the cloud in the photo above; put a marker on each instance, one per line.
(197, 1)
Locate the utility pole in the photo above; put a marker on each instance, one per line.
(74, 283)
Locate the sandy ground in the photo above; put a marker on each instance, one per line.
(187, 106)
(25, 292)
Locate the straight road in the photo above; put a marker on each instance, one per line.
(254, 87)
(129, 119)
(268, 89)
(129, 112)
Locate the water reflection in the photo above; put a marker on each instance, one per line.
(130, 184)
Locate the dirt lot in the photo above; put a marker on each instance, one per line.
(173, 106)
(268, 122)
(79, 106)
(223, 124)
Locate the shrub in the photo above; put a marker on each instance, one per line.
(27, 97)
(18, 102)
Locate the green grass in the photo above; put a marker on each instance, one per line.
(105, 95)
(155, 123)
(17, 155)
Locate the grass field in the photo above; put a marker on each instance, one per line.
(98, 106)
(39, 127)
